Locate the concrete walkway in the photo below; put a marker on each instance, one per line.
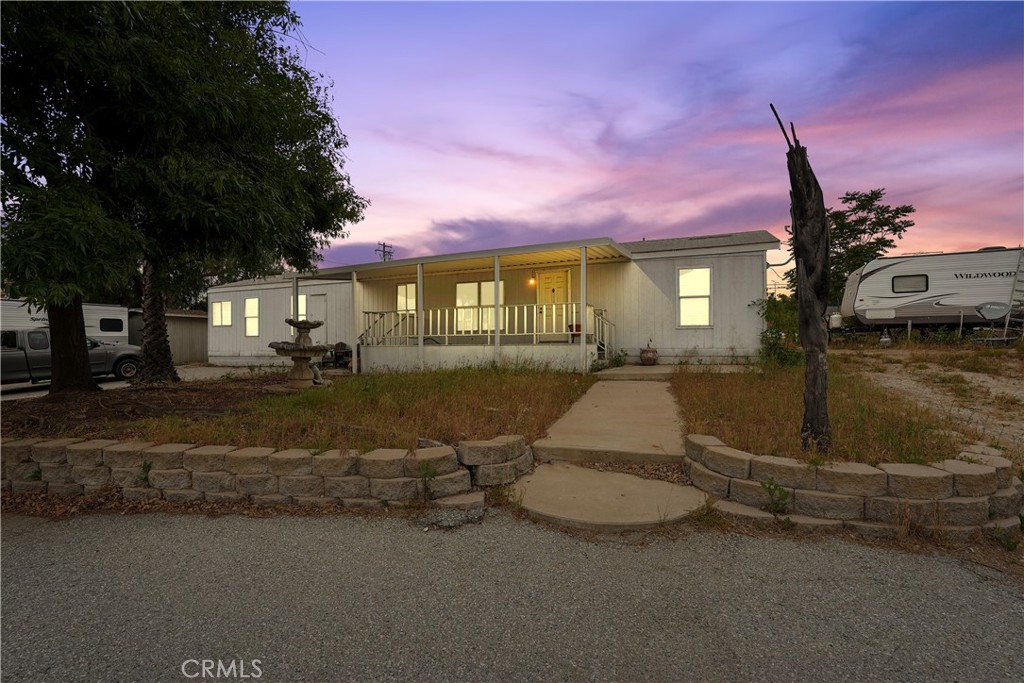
(624, 420)
(603, 501)
(620, 421)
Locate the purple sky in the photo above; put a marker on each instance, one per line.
(478, 125)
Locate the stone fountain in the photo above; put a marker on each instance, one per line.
(301, 351)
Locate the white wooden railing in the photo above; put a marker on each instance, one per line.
(527, 323)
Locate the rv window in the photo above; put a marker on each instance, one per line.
(9, 340)
(38, 341)
(906, 284)
(111, 325)
(220, 313)
(252, 317)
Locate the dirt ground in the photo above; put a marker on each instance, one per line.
(982, 389)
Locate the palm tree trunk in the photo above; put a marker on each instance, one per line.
(157, 361)
(69, 355)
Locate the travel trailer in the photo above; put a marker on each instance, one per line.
(103, 323)
(963, 288)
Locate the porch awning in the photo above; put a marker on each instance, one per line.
(599, 250)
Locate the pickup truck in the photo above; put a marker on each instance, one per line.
(25, 357)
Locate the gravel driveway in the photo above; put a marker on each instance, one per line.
(132, 598)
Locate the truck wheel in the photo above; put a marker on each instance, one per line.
(126, 369)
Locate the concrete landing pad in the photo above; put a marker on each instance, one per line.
(604, 501)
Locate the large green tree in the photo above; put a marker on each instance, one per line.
(195, 128)
(862, 230)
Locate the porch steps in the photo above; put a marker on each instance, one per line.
(619, 421)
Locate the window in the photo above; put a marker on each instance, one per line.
(252, 317)
(220, 313)
(38, 341)
(905, 284)
(694, 297)
(302, 307)
(474, 303)
(111, 325)
(406, 298)
(9, 339)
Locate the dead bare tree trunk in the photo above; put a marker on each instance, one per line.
(810, 243)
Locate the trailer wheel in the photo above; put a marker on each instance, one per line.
(126, 369)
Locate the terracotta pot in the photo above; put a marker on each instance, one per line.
(648, 356)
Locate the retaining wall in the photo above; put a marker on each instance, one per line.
(955, 499)
(181, 472)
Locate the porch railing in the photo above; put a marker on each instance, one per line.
(523, 323)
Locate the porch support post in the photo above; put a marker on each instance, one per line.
(584, 366)
(355, 325)
(294, 312)
(419, 314)
(497, 309)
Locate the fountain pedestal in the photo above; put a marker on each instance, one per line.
(301, 351)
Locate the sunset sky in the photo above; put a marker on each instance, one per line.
(479, 125)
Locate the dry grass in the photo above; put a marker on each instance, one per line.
(384, 411)
(761, 412)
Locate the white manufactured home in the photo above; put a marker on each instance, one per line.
(563, 305)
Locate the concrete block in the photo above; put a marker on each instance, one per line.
(828, 505)
(901, 511)
(747, 492)
(402, 488)
(960, 511)
(383, 463)
(494, 451)
(93, 490)
(787, 472)
(347, 487)
(206, 458)
(293, 462)
(953, 534)
(524, 463)
(363, 503)
(131, 493)
(64, 490)
(982, 449)
(315, 501)
(301, 485)
(127, 477)
(918, 481)
(248, 461)
(1003, 466)
(728, 461)
(498, 474)
(52, 450)
(24, 471)
(18, 450)
(166, 456)
(88, 453)
(877, 530)
(127, 454)
(852, 479)
(56, 472)
(1005, 503)
(806, 523)
(708, 481)
(28, 486)
(747, 513)
(256, 484)
(271, 500)
(213, 482)
(170, 479)
(424, 462)
(450, 484)
(336, 463)
(90, 476)
(969, 479)
(465, 501)
(182, 495)
(224, 497)
(696, 443)
(1008, 525)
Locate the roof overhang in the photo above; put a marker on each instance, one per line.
(551, 255)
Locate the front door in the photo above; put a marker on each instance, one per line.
(552, 300)
(316, 309)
